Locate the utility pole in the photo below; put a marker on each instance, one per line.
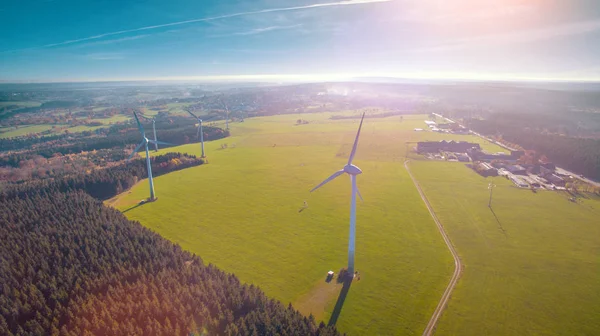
(491, 188)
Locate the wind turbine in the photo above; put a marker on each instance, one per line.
(226, 115)
(199, 132)
(352, 171)
(153, 119)
(145, 142)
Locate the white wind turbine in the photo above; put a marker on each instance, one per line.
(200, 132)
(226, 113)
(153, 119)
(353, 171)
(145, 142)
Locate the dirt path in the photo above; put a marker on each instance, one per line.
(316, 300)
(430, 329)
(112, 202)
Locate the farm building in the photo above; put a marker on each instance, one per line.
(447, 146)
(518, 181)
(485, 169)
(555, 179)
(549, 166)
(479, 155)
(516, 170)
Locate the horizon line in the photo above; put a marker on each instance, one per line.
(310, 78)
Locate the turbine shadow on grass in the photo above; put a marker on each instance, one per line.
(497, 220)
(340, 302)
(133, 207)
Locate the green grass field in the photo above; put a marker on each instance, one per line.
(114, 119)
(9, 132)
(241, 212)
(19, 103)
(532, 267)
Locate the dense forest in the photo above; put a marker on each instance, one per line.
(578, 154)
(71, 266)
(103, 183)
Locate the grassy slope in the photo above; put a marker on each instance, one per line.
(240, 212)
(9, 132)
(541, 276)
(21, 104)
(114, 119)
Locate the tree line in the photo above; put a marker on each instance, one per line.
(105, 183)
(71, 266)
(578, 154)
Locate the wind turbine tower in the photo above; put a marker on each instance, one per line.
(144, 143)
(226, 115)
(352, 171)
(199, 132)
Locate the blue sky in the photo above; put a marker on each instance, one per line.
(65, 40)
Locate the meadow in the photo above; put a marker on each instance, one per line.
(20, 104)
(9, 132)
(532, 265)
(243, 211)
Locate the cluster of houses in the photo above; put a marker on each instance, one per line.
(495, 164)
(524, 175)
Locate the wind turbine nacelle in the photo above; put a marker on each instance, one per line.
(352, 169)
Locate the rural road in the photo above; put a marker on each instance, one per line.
(430, 329)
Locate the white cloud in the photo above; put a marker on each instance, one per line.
(531, 35)
(457, 11)
(272, 10)
(267, 29)
(105, 56)
(113, 41)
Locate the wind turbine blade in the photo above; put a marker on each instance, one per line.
(140, 127)
(145, 116)
(161, 143)
(198, 132)
(192, 114)
(334, 175)
(359, 195)
(135, 150)
(356, 140)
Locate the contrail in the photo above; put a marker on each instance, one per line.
(327, 4)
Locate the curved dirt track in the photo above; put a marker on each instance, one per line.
(430, 329)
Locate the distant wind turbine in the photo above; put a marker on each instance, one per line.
(200, 131)
(353, 171)
(145, 142)
(226, 115)
(153, 119)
